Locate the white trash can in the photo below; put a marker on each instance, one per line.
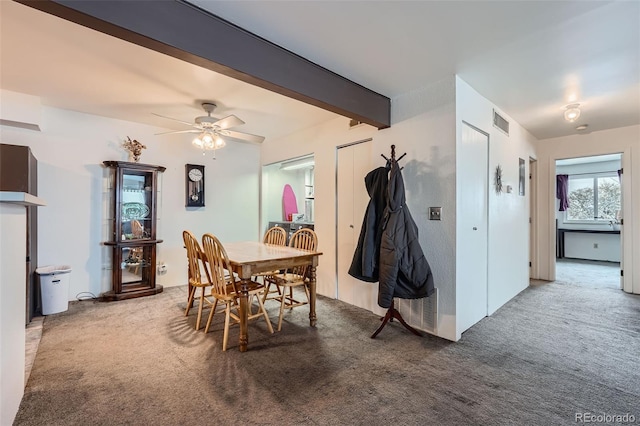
(54, 288)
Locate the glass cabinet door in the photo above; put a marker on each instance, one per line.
(135, 263)
(137, 202)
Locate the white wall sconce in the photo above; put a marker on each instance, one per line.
(572, 112)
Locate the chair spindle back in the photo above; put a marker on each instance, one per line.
(218, 262)
(276, 236)
(193, 257)
(304, 239)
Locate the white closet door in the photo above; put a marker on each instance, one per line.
(472, 227)
(354, 162)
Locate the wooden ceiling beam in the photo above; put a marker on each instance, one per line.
(184, 31)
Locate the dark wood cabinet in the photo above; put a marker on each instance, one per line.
(133, 191)
(19, 173)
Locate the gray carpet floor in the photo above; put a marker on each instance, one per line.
(588, 273)
(553, 351)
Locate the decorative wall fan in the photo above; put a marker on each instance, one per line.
(212, 131)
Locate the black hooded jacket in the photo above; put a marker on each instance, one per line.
(404, 270)
(365, 263)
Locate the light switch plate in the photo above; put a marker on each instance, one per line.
(435, 213)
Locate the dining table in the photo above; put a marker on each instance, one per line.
(248, 258)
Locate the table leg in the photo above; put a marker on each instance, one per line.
(312, 296)
(244, 314)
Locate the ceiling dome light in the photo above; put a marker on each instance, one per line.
(582, 127)
(572, 112)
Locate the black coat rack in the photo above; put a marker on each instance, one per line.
(392, 312)
(393, 156)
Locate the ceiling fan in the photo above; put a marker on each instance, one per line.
(213, 131)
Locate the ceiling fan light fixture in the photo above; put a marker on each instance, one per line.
(208, 141)
(572, 112)
(219, 142)
(207, 138)
(197, 142)
(210, 129)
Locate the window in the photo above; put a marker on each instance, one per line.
(593, 197)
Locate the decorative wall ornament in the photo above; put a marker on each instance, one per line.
(497, 180)
(135, 149)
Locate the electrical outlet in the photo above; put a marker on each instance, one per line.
(595, 245)
(435, 213)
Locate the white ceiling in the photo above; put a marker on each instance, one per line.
(531, 58)
(592, 159)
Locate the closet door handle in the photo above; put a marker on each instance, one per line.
(351, 226)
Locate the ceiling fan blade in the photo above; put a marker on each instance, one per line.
(174, 119)
(242, 137)
(179, 131)
(228, 122)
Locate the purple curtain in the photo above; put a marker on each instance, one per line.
(562, 191)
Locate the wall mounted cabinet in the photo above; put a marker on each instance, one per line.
(19, 173)
(133, 191)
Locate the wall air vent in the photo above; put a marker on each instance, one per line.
(500, 122)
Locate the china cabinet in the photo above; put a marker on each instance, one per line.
(133, 192)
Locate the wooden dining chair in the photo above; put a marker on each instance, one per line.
(196, 267)
(275, 236)
(304, 239)
(226, 287)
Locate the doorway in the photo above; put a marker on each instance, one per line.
(288, 195)
(533, 218)
(589, 246)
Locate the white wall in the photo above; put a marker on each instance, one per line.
(625, 140)
(604, 247)
(423, 127)
(13, 246)
(508, 245)
(70, 151)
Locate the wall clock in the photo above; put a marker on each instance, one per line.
(194, 188)
(497, 180)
